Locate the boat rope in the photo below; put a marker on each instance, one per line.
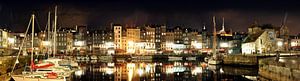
(21, 47)
(37, 22)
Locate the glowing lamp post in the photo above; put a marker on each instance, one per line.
(279, 45)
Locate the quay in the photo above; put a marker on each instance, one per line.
(286, 69)
(251, 60)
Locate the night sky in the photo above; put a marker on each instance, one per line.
(239, 14)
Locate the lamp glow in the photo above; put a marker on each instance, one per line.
(279, 43)
(46, 43)
(11, 40)
(224, 44)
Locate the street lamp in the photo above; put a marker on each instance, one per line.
(279, 43)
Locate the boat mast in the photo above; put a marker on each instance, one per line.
(55, 22)
(32, 38)
(21, 47)
(214, 37)
(48, 31)
(48, 25)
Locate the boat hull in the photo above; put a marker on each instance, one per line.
(21, 78)
(214, 62)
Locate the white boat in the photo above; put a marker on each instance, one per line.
(174, 58)
(191, 58)
(61, 66)
(36, 77)
(214, 62)
(94, 57)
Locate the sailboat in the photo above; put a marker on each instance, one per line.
(51, 69)
(215, 59)
(31, 75)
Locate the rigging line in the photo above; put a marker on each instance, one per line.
(37, 22)
(21, 47)
(46, 27)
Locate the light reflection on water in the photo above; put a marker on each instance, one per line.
(161, 71)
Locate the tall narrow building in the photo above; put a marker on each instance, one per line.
(118, 37)
(159, 37)
(133, 38)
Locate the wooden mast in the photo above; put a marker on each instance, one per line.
(214, 37)
(32, 38)
(55, 22)
(48, 31)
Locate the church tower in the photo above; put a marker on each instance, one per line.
(205, 39)
(284, 33)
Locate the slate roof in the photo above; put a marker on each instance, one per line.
(252, 37)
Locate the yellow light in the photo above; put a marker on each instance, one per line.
(130, 43)
(293, 43)
(224, 44)
(79, 43)
(109, 44)
(197, 70)
(148, 68)
(198, 45)
(279, 43)
(131, 47)
(140, 71)
(11, 40)
(169, 70)
(109, 70)
(111, 64)
(79, 73)
(46, 43)
(130, 65)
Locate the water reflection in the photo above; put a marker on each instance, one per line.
(160, 71)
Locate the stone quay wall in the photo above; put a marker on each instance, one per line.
(287, 70)
(250, 60)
